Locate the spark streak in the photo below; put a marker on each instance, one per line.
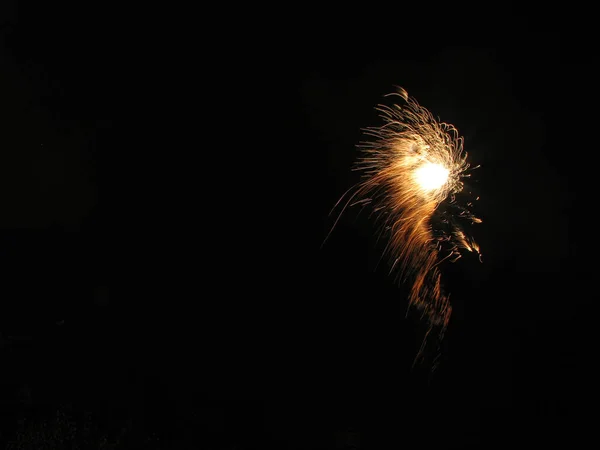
(413, 169)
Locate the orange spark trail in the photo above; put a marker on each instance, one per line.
(411, 166)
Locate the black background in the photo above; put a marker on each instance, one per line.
(166, 179)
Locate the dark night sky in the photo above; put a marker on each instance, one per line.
(189, 171)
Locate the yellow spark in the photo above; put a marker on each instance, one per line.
(413, 165)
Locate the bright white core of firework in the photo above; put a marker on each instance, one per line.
(431, 176)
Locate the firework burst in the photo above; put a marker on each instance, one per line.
(413, 174)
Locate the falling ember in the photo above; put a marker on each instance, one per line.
(413, 169)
